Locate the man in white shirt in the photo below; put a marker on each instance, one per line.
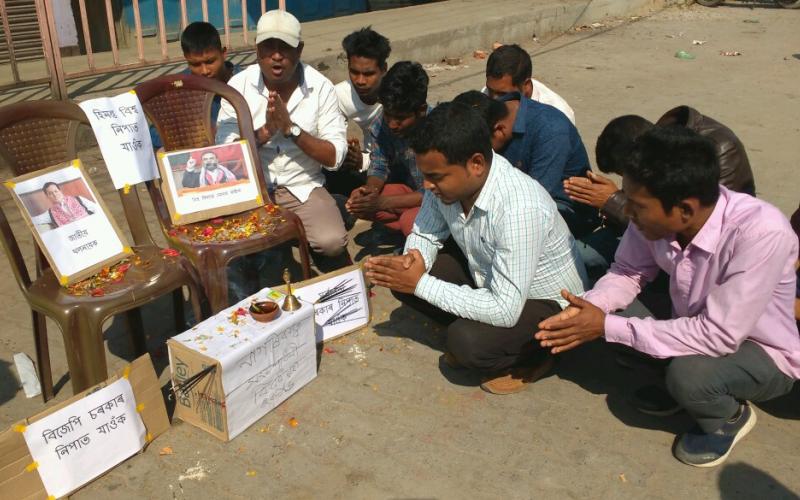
(299, 130)
(510, 69)
(367, 52)
(513, 253)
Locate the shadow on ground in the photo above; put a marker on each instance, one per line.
(9, 385)
(742, 481)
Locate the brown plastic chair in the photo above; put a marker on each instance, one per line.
(180, 108)
(36, 135)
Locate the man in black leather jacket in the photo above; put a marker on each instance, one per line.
(602, 193)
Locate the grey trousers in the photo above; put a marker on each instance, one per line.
(710, 389)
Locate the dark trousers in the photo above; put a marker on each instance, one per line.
(710, 389)
(478, 345)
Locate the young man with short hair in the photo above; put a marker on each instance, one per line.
(202, 48)
(367, 52)
(299, 130)
(393, 191)
(513, 252)
(540, 141)
(730, 258)
(206, 57)
(601, 193)
(510, 69)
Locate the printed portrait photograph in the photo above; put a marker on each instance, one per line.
(55, 202)
(208, 169)
(68, 220)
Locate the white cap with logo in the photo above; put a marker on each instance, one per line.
(278, 24)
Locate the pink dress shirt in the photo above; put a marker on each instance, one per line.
(734, 282)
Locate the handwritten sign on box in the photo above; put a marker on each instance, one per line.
(341, 301)
(81, 441)
(251, 367)
(124, 138)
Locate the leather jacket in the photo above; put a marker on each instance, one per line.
(735, 171)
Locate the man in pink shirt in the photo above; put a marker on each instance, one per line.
(731, 261)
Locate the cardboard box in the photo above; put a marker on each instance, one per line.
(230, 370)
(19, 481)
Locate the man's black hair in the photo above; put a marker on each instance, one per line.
(404, 88)
(675, 163)
(48, 184)
(510, 60)
(454, 129)
(490, 109)
(616, 141)
(199, 37)
(369, 44)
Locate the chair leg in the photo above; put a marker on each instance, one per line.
(302, 243)
(177, 310)
(86, 353)
(42, 354)
(136, 331)
(197, 304)
(216, 285)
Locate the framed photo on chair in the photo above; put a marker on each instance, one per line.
(69, 220)
(200, 184)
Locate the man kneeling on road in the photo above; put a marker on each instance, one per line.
(393, 192)
(518, 251)
(731, 261)
(299, 132)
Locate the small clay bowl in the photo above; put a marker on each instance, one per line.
(264, 310)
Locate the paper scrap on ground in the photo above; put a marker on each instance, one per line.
(27, 375)
(124, 138)
(79, 442)
(340, 304)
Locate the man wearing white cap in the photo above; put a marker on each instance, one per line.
(299, 130)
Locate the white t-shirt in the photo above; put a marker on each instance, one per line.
(354, 109)
(542, 93)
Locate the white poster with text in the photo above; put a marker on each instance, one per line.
(124, 138)
(79, 442)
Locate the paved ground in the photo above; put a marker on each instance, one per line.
(384, 420)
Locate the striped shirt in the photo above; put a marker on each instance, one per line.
(517, 246)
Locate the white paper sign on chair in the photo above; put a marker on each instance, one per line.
(124, 138)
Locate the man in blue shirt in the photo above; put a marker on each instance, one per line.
(541, 141)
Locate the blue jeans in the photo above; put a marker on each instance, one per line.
(597, 250)
(581, 219)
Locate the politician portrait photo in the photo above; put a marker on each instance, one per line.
(208, 169)
(57, 203)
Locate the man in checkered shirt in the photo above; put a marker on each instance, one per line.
(488, 254)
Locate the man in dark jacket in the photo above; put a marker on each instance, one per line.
(603, 194)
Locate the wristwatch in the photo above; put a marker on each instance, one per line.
(294, 131)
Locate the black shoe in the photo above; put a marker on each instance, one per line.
(701, 449)
(655, 400)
